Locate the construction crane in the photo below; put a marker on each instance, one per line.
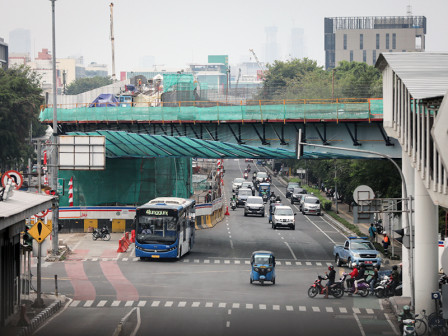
(256, 59)
(238, 79)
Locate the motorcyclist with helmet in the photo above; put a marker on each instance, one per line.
(330, 277)
(405, 315)
(395, 277)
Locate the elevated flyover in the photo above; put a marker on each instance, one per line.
(264, 127)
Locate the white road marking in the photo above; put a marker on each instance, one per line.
(262, 306)
(228, 324)
(316, 309)
(196, 260)
(217, 261)
(186, 260)
(288, 263)
(182, 304)
(195, 304)
(359, 325)
(279, 262)
(129, 303)
(329, 309)
(290, 250)
(320, 230)
(237, 262)
(276, 307)
(206, 261)
(318, 263)
(222, 305)
(94, 259)
(356, 310)
(308, 263)
(169, 304)
(101, 303)
(247, 262)
(235, 305)
(369, 311)
(155, 304)
(298, 263)
(135, 259)
(249, 306)
(343, 310)
(125, 259)
(208, 304)
(75, 303)
(289, 308)
(226, 261)
(116, 303)
(302, 308)
(141, 303)
(88, 303)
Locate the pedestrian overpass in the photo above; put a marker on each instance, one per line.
(257, 129)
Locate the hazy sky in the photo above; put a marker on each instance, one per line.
(180, 32)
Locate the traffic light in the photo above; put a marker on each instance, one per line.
(27, 239)
(403, 238)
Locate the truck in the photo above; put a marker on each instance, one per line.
(356, 251)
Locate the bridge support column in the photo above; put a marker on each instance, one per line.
(426, 248)
(408, 173)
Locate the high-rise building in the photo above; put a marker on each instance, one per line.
(297, 43)
(271, 46)
(362, 39)
(3, 54)
(20, 41)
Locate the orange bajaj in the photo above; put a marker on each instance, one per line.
(262, 267)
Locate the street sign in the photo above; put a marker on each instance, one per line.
(15, 176)
(39, 231)
(363, 195)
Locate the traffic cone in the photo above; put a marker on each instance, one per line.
(227, 212)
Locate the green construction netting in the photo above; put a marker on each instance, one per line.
(129, 182)
(178, 82)
(335, 111)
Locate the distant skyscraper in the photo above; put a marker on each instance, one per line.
(272, 47)
(297, 45)
(20, 41)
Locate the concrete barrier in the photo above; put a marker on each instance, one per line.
(129, 324)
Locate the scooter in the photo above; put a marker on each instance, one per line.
(246, 176)
(317, 288)
(379, 226)
(385, 288)
(265, 198)
(103, 234)
(233, 204)
(363, 288)
(409, 327)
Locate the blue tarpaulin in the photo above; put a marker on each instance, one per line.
(104, 99)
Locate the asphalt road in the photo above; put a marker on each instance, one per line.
(208, 291)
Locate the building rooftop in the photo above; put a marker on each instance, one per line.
(374, 22)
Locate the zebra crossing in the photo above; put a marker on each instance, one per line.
(221, 305)
(209, 261)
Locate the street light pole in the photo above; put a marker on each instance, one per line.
(407, 211)
(54, 153)
(336, 189)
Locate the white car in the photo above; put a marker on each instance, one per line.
(254, 205)
(283, 216)
(236, 184)
(261, 176)
(311, 205)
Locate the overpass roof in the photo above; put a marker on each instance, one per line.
(121, 144)
(425, 75)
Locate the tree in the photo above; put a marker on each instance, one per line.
(20, 101)
(357, 80)
(86, 84)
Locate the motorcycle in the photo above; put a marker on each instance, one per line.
(272, 199)
(363, 288)
(409, 327)
(275, 173)
(233, 204)
(443, 281)
(386, 289)
(246, 176)
(103, 234)
(378, 224)
(317, 288)
(248, 168)
(265, 198)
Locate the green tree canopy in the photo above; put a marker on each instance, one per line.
(86, 84)
(20, 100)
(304, 79)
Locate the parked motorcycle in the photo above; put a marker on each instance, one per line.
(443, 281)
(103, 234)
(317, 288)
(378, 224)
(233, 204)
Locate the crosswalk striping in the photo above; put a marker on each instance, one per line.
(210, 305)
(207, 261)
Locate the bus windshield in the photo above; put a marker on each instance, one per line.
(154, 230)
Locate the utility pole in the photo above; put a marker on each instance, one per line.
(112, 39)
(54, 153)
(336, 189)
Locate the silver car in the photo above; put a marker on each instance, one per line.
(311, 205)
(254, 205)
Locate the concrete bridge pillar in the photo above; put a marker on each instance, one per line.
(408, 173)
(426, 248)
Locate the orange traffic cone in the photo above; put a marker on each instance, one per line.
(227, 212)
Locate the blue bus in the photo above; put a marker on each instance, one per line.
(164, 228)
